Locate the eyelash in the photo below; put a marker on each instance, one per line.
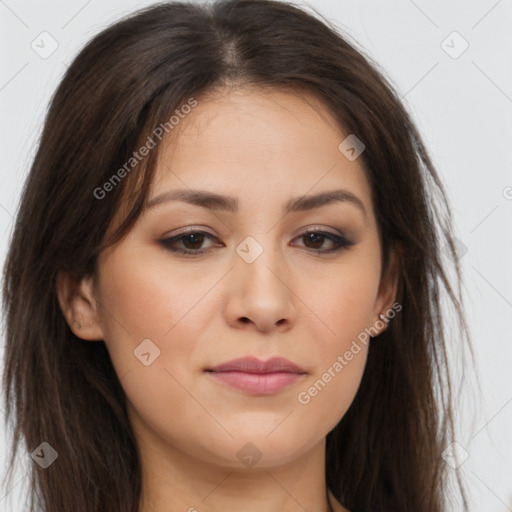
(342, 242)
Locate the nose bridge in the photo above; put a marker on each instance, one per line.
(259, 292)
(260, 261)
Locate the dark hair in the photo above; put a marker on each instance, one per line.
(385, 453)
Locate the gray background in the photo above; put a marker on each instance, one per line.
(462, 104)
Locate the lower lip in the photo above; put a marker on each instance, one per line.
(258, 383)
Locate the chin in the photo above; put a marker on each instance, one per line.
(257, 451)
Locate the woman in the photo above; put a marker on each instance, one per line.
(223, 288)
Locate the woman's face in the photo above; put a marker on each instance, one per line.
(255, 284)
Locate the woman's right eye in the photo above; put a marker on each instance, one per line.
(192, 241)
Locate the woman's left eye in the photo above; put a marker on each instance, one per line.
(317, 237)
(193, 240)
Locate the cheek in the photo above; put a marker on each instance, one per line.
(139, 304)
(344, 308)
(343, 301)
(341, 354)
(134, 305)
(326, 397)
(142, 300)
(149, 295)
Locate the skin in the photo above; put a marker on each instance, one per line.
(262, 147)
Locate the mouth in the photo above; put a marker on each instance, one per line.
(257, 377)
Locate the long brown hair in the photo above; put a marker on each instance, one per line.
(386, 452)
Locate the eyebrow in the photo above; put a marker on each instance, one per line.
(214, 201)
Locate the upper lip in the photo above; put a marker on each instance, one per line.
(255, 365)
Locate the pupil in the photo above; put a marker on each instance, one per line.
(314, 238)
(193, 239)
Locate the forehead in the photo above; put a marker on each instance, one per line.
(231, 122)
(248, 139)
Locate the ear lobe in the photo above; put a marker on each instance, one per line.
(78, 305)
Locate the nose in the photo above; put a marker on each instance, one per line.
(260, 294)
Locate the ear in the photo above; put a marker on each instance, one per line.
(386, 296)
(78, 305)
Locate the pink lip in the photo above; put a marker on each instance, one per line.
(258, 377)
